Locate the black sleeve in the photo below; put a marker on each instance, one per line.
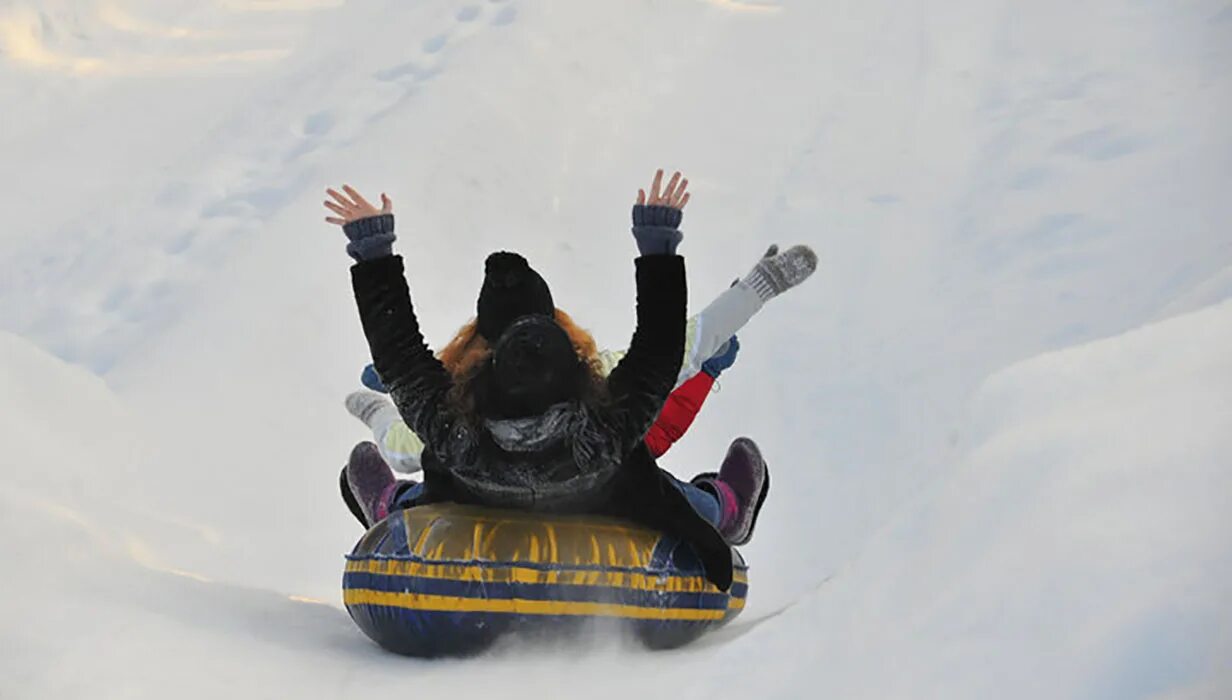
(417, 381)
(641, 382)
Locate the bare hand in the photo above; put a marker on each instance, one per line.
(352, 206)
(673, 195)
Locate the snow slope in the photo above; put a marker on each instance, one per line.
(987, 183)
(1079, 549)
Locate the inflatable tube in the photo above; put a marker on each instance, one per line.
(446, 580)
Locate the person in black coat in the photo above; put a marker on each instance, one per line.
(536, 427)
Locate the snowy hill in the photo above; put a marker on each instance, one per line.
(996, 417)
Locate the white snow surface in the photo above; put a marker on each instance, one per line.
(997, 418)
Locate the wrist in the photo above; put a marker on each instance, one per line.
(655, 229)
(369, 226)
(371, 248)
(654, 215)
(656, 240)
(371, 237)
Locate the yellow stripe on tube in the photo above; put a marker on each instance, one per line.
(510, 574)
(449, 531)
(440, 603)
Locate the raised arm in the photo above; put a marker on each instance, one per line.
(679, 410)
(686, 400)
(646, 375)
(417, 381)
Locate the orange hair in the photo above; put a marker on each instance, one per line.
(465, 352)
(583, 342)
(463, 355)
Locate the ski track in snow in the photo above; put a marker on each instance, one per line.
(197, 224)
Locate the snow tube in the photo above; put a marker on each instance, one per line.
(447, 580)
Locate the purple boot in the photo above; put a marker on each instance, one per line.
(741, 487)
(371, 482)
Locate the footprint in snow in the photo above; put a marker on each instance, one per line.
(318, 124)
(435, 44)
(390, 74)
(505, 16)
(1105, 143)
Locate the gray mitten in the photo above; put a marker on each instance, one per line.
(777, 272)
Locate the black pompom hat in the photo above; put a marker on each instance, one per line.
(511, 290)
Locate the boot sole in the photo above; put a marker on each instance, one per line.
(752, 452)
(349, 498)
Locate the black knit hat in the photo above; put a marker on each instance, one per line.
(511, 290)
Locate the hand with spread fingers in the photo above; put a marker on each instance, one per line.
(656, 218)
(352, 206)
(673, 196)
(370, 230)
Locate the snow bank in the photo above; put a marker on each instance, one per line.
(1080, 549)
(62, 426)
(94, 602)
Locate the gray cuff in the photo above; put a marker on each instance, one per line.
(371, 238)
(656, 229)
(657, 240)
(655, 215)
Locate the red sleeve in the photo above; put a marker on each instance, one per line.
(678, 413)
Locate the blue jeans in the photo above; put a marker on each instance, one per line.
(406, 495)
(705, 503)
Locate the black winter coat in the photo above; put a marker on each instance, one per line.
(601, 466)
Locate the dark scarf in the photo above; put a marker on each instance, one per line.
(569, 421)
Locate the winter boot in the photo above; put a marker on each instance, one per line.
(371, 483)
(777, 272)
(741, 487)
(400, 447)
(375, 410)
